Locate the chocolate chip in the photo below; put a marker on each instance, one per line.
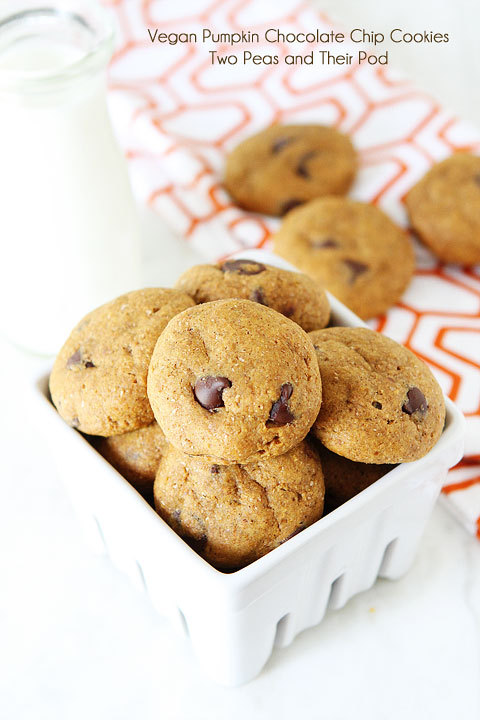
(377, 405)
(415, 402)
(302, 168)
(289, 205)
(280, 413)
(75, 422)
(257, 296)
(214, 469)
(76, 360)
(356, 268)
(280, 143)
(288, 310)
(208, 392)
(243, 267)
(176, 515)
(327, 243)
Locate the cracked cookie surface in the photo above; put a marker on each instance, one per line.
(136, 455)
(353, 249)
(292, 294)
(99, 379)
(234, 380)
(381, 403)
(234, 514)
(444, 209)
(287, 165)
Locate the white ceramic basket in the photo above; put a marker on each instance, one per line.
(234, 620)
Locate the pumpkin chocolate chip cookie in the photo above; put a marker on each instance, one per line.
(286, 165)
(235, 381)
(234, 514)
(444, 209)
(351, 248)
(292, 294)
(381, 403)
(344, 478)
(99, 380)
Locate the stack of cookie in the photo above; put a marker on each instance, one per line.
(234, 386)
(204, 397)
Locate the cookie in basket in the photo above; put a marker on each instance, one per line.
(286, 165)
(351, 248)
(136, 455)
(235, 381)
(344, 478)
(234, 514)
(99, 380)
(444, 209)
(292, 294)
(381, 404)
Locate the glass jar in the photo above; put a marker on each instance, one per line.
(68, 223)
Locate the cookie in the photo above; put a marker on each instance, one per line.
(381, 403)
(234, 381)
(234, 514)
(292, 294)
(351, 248)
(444, 209)
(286, 165)
(344, 478)
(136, 455)
(99, 380)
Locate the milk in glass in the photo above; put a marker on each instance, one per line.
(68, 224)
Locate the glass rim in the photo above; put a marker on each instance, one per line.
(92, 59)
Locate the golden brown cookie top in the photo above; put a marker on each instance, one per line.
(99, 380)
(234, 514)
(235, 381)
(444, 209)
(286, 165)
(351, 248)
(292, 294)
(381, 403)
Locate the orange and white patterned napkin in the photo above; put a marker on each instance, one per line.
(177, 116)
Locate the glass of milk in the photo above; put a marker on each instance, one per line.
(69, 232)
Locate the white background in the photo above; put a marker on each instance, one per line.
(77, 642)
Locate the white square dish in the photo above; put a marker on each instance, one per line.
(235, 619)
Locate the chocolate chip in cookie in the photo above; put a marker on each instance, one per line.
(243, 267)
(280, 413)
(209, 392)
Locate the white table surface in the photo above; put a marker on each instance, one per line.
(77, 642)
